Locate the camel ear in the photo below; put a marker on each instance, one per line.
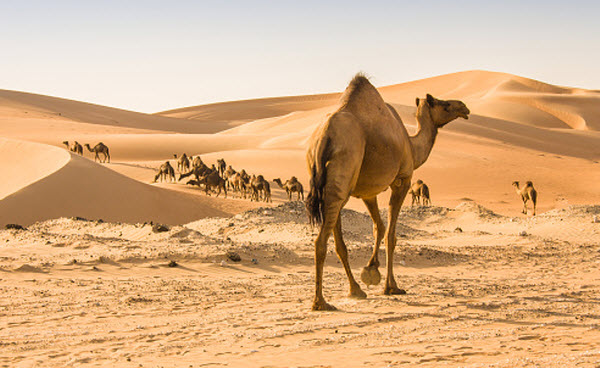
(430, 100)
(417, 101)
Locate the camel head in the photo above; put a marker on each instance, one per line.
(515, 184)
(442, 112)
(66, 143)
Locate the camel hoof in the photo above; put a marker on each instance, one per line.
(370, 275)
(394, 291)
(357, 294)
(322, 306)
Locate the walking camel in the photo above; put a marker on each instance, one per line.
(291, 186)
(99, 148)
(75, 147)
(360, 150)
(527, 193)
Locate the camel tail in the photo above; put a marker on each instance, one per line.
(318, 177)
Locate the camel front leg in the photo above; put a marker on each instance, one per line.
(525, 206)
(342, 252)
(398, 195)
(370, 274)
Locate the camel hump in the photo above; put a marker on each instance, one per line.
(363, 99)
(529, 184)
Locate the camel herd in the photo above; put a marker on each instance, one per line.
(221, 178)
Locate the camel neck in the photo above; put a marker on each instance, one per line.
(423, 141)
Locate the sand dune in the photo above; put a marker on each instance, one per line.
(64, 185)
(520, 129)
(28, 105)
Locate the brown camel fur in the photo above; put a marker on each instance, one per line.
(165, 172)
(75, 147)
(291, 186)
(261, 189)
(98, 149)
(360, 150)
(527, 193)
(212, 180)
(420, 193)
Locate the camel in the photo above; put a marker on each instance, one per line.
(165, 172)
(183, 163)
(261, 189)
(221, 167)
(360, 150)
(527, 193)
(228, 175)
(99, 148)
(240, 182)
(212, 180)
(420, 192)
(291, 186)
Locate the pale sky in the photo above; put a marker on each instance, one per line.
(151, 56)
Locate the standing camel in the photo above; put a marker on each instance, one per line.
(165, 172)
(99, 148)
(527, 193)
(75, 147)
(261, 189)
(360, 150)
(221, 165)
(183, 163)
(291, 186)
(420, 193)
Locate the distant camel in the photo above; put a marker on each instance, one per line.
(75, 147)
(228, 175)
(291, 186)
(240, 182)
(213, 180)
(420, 193)
(183, 163)
(261, 189)
(221, 165)
(527, 193)
(99, 148)
(362, 149)
(165, 172)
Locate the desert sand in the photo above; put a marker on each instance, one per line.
(88, 283)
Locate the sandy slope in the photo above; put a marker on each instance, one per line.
(80, 293)
(58, 184)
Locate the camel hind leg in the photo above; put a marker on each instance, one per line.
(332, 211)
(342, 252)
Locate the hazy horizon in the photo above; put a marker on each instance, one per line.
(152, 56)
